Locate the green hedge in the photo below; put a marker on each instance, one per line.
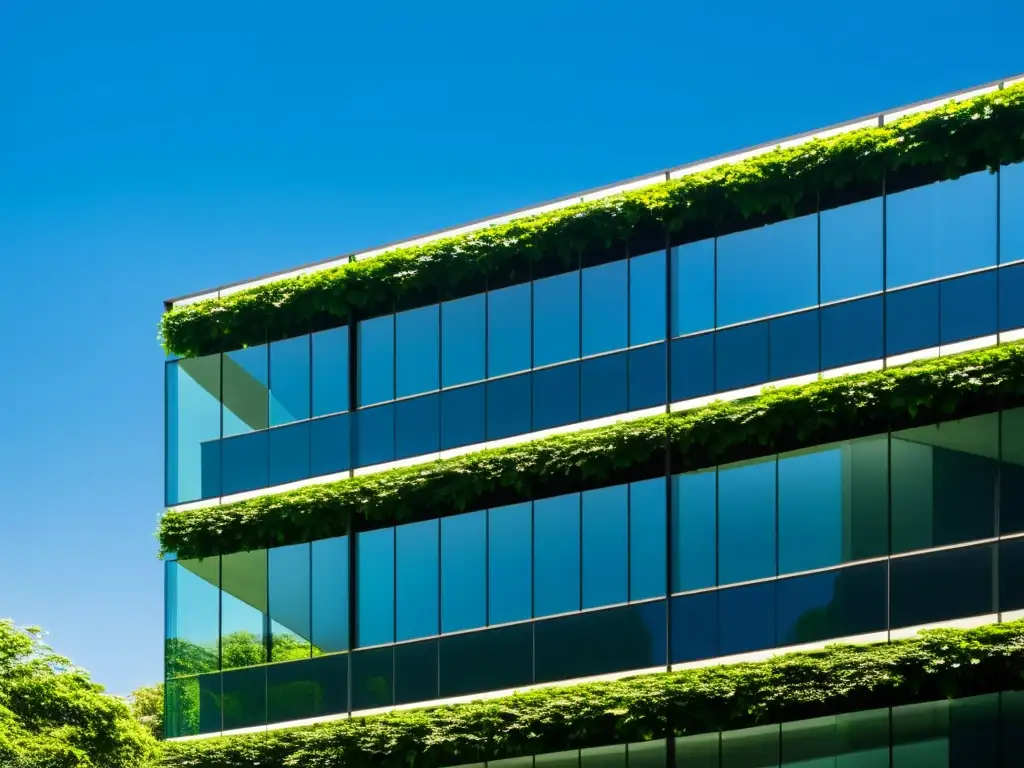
(942, 143)
(779, 419)
(935, 665)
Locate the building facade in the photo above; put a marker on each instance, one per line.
(866, 539)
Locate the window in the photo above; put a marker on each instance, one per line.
(693, 288)
(746, 521)
(605, 546)
(556, 319)
(417, 358)
(510, 563)
(1011, 298)
(647, 383)
(416, 672)
(289, 601)
(509, 329)
(311, 688)
(375, 584)
(463, 339)
(556, 396)
(417, 426)
(244, 621)
(464, 571)
(463, 416)
(375, 435)
(854, 740)
(753, 747)
(376, 364)
(491, 660)
(1011, 203)
(912, 319)
(509, 406)
(330, 371)
(939, 586)
(968, 307)
(695, 626)
(647, 539)
(192, 617)
(289, 380)
(693, 367)
(329, 577)
(330, 445)
(851, 250)
(417, 587)
(289, 453)
(193, 429)
(746, 618)
(832, 604)
(793, 342)
(647, 298)
(1011, 476)
(556, 555)
(741, 357)
(245, 391)
(694, 500)
(245, 462)
(851, 333)
(603, 386)
(605, 321)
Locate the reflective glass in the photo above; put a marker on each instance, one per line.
(648, 754)
(375, 585)
(603, 386)
(851, 250)
(244, 698)
(375, 366)
(289, 380)
(416, 672)
(556, 319)
(604, 757)
(289, 602)
(244, 622)
(693, 367)
(556, 396)
(1011, 298)
(793, 342)
(746, 521)
(920, 735)
(1011, 575)
(375, 435)
(940, 229)
(1011, 203)
(304, 689)
(509, 329)
(417, 426)
(912, 319)
(464, 571)
(944, 483)
(556, 555)
(245, 391)
(417, 351)
(700, 751)
(492, 660)
(647, 377)
(851, 333)
(940, 586)
(568, 759)
(693, 287)
(417, 573)
(833, 504)
(695, 626)
(508, 407)
(192, 705)
(854, 740)
(605, 552)
(463, 338)
(605, 301)
(647, 298)
(330, 445)
(751, 747)
(329, 576)
(767, 270)
(832, 604)
(193, 421)
(463, 416)
(1011, 475)
(192, 617)
(694, 532)
(373, 678)
(746, 618)
(289, 453)
(968, 307)
(741, 357)
(510, 563)
(647, 510)
(245, 461)
(330, 371)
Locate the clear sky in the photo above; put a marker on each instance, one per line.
(149, 150)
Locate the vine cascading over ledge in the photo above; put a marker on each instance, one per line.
(945, 142)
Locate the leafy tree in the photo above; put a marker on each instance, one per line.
(148, 707)
(53, 716)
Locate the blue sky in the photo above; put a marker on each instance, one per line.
(151, 150)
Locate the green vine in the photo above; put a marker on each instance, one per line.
(943, 143)
(935, 665)
(779, 419)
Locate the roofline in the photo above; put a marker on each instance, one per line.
(667, 173)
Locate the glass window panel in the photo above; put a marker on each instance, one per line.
(508, 407)
(605, 322)
(508, 329)
(556, 396)
(694, 499)
(289, 380)
(940, 229)
(568, 759)
(330, 595)
(375, 435)
(920, 735)
(375, 368)
(1011, 203)
(851, 250)
(330, 371)
(192, 705)
(290, 609)
(329, 445)
(974, 731)
(604, 757)
(746, 618)
(510, 563)
(647, 298)
(463, 416)
(193, 421)
(833, 504)
(1011, 298)
(556, 319)
(695, 627)
(192, 617)
(855, 740)
(940, 586)
(493, 660)
(245, 462)
(647, 539)
(693, 367)
(375, 582)
(944, 482)
(968, 307)
(244, 625)
(1012, 722)
(463, 337)
(768, 270)
(416, 672)
(851, 333)
(311, 688)
(245, 394)
(912, 319)
(556, 555)
(605, 552)
(603, 386)
(627, 638)
(244, 698)
(793, 343)
(1011, 575)
(373, 678)
(417, 348)
(289, 453)
(832, 604)
(417, 573)
(700, 751)
(417, 426)
(741, 357)
(693, 287)
(751, 747)
(464, 571)
(746, 521)
(647, 377)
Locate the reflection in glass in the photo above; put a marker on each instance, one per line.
(1011, 203)
(289, 380)
(603, 386)
(375, 367)
(193, 423)
(245, 461)
(940, 586)
(968, 307)
(694, 501)
(746, 618)
(693, 366)
(244, 621)
(556, 555)
(290, 630)
(417, 426)
(508, 329)
(463, 328)
(556, 396)
(912, 319)
(330, 594)
(1011, 298)
(647, 298)
(851, 333)
(746, 521)
(605, 321)
(556, 319)
(417, 574)
(832, 604)
(417, 351)
(375, 585)
(330, 371)
(851, 250)
(289, 453)
(375, 435)
(605, 537)
(510, 563)
(1011, 474)
(330, 445)
(245, 394)
(693, 288)
(192, 608)
(647, 509)
(647, 377)
(508, 406)
(464, 571)
(463, 416)
(741, 356)
(793, 341)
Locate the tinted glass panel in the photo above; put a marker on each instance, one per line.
(245, 391)
(831, 604)
(647, 377)
(647, 298)
(855, 740)
(746, 618)
(464, 571)
(1011, 298)
(244, 698)
(751, 747)
(193, 422)
(695, 626)
(603, 386)
(912, 319)
(373, 678)
(492, 660)
(1011, 203)
(647, 539)
(508, 407)
(693, 288)
(968, 307)
(741, 357)
(556, 319)
(245, 462)
(416, 672)
(556, 553)
(463, 416)
(793, 341)
(311, 688)
(463, 329)
(1011, 476)
(417, 361)
(375, 610)
(851, 250)
(290, 610)
(289, 453)
(192, 616)
(851, 333)
(330, 594)
(375, 435)
(605, 546)
(508, 329)
(556, 396)
(510, 563)
(376, 364)
(940, 586)
(605, 318)
(746, 521)
(694, 530)
(330, 371)
(244, 627)
(417, 426)
(417, 587)
(693, 367)
(329, 445)
(289, 380)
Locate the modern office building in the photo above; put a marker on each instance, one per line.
(292, 417)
